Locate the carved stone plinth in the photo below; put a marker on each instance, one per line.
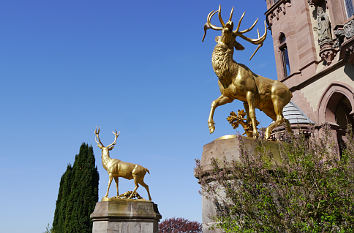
(226, 148)
(125, 216)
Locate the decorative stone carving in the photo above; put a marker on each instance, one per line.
(345, 41)
(343, 32)
(327, 53)
(276, 10)
(339, 33)
(323, 27)
(349, 29)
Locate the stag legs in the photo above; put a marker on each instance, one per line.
(116, 180)
(137, 181)
(278, 110)
(219, 101)
(251, 113)
(109, 184)
(147, 188)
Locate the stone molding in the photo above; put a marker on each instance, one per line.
(276, 10)
(279, 133)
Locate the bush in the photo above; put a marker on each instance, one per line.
(308, 190)
(179, 225)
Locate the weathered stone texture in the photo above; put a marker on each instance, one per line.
(125, 216)
(226, 148)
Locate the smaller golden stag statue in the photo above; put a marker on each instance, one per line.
(117, 168)
(236, 81)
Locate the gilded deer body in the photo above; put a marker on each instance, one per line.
(117, 168)
(236, 81)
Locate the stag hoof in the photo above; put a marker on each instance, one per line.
(211, 126)
(267, 135)
(255, 134)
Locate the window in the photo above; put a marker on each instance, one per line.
(349, 7)
(285, 60)
(284, 55)
(282, 38)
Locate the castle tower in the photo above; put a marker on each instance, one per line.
(314, 52)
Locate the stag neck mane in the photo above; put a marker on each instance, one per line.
(106, 159)
(223, 63)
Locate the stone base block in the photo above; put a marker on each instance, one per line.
(225, 148)
(125, 216)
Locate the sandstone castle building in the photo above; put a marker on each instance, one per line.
(314, 52)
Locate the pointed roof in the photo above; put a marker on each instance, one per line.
(295, 115)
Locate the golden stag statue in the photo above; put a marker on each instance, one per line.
(236, 81)
(117, 168)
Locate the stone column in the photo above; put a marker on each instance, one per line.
(125, 216)
(226, 148)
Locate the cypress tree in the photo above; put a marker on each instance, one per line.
(64, 191)
(80, 201)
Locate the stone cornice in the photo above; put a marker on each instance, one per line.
(275, 10)
(316, 76)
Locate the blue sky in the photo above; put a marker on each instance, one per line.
(139, 67)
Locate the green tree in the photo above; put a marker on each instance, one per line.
(62, 201)
(309, 190)
(78, 194)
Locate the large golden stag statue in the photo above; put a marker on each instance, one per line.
(236, 81)
(117, 168)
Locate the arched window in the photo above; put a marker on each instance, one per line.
(349, 7)
(284, 55)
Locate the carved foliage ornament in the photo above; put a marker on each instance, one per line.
(344, 40)
(349, 29)
(343, 32)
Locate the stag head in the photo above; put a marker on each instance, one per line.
(228, 35)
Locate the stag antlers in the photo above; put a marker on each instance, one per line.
(100, 144)
(229, 25)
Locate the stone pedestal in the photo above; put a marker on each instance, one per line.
(125, 216)
(226, 148)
